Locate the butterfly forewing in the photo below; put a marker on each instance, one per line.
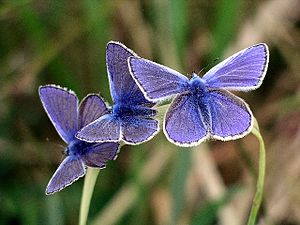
(61, 107)
(70, 170)
(243, 71)
(157, 81)
(123, 87)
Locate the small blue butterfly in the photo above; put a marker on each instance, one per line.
(61, 106)
(203, 108)
(131, 118)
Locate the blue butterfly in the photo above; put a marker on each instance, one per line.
(61, 106)
(131, 118)
(203, 107)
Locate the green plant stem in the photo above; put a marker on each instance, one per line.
(88, 188)
(261, 176)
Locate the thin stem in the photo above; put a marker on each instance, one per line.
(128, 193)
(244, 155)
(88, 188)
(261, 176)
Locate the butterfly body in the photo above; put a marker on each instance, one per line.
(63, 109)
(121, 111)
(204, 108)
(77, 148)
(130, 119)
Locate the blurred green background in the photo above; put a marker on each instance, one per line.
(63, 42)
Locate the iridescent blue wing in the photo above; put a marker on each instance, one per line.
(231, 117)
(98, 154)
(184, 123)
(157, 82)
(105, 129)
(61, 107)
(122, 87)
(70, 170)
(242, 71)
(91, 108)
(136, 130)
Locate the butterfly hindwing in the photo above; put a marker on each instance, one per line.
(70, 170)
(157, 81)
(136, 130)
(105, 129)
(61, 107)
(98, 154)
(91, 108)
(231, 117)
(242, 71)
(184, 123)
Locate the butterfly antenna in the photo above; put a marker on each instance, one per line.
(56, 144)
(60, 146)
(208, 65)
(63, 148)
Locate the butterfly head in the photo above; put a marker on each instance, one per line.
(198, 85)
(76, 148)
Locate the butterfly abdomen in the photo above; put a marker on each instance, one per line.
(124, 110)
